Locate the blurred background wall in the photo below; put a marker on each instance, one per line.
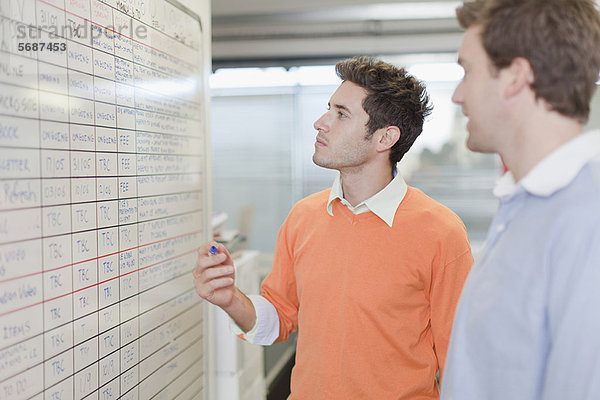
(273, 76)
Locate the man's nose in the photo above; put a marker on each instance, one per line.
(321, 124)
(457, 96)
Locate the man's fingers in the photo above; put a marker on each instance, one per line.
(209, 289)
(207, 274)
(205, 261)
(220, 283)
(214, 275)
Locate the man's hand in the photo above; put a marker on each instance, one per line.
(214, 276)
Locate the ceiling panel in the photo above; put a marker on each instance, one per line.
(245, 7)
(300, 33)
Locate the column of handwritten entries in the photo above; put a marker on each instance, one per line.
(101, 210)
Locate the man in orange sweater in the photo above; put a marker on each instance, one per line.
(369, 271)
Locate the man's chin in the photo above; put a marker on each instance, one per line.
(316, 160)
(477, 147)
(321, 162)
(470, 145)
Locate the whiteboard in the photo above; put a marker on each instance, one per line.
(102, 200)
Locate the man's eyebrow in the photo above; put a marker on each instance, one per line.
(342, 107)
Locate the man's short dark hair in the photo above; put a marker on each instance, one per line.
(394, 98)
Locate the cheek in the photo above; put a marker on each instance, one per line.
(475, 95)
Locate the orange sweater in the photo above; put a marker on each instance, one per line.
(374, 304)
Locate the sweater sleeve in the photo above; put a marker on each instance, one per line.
(447, 285)
(279, 287)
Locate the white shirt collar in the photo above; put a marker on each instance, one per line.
(383, 204)
(556, 170)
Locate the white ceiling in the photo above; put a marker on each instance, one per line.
(243, 7)
(292, 32)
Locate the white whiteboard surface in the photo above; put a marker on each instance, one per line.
(103, 200)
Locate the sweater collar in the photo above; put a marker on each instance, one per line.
(383, 203)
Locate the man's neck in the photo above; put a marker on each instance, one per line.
(359, 186)
(535, 141)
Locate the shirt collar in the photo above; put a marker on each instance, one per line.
(556, 170)
(383, 204)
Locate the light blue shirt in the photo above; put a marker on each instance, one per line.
(527, 326)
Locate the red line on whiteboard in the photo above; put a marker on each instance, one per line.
(99, 257)
(96, 284)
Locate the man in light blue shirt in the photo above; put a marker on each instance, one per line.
(528, 321)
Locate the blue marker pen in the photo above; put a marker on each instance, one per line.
(213, 250)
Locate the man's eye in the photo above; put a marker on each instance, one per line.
(341, 114)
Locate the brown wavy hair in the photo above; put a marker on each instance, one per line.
(394, 98)
(559, 38)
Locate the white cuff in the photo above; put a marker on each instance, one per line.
(266, 328)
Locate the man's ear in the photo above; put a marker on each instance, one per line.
(519, 76)
(388, 138)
